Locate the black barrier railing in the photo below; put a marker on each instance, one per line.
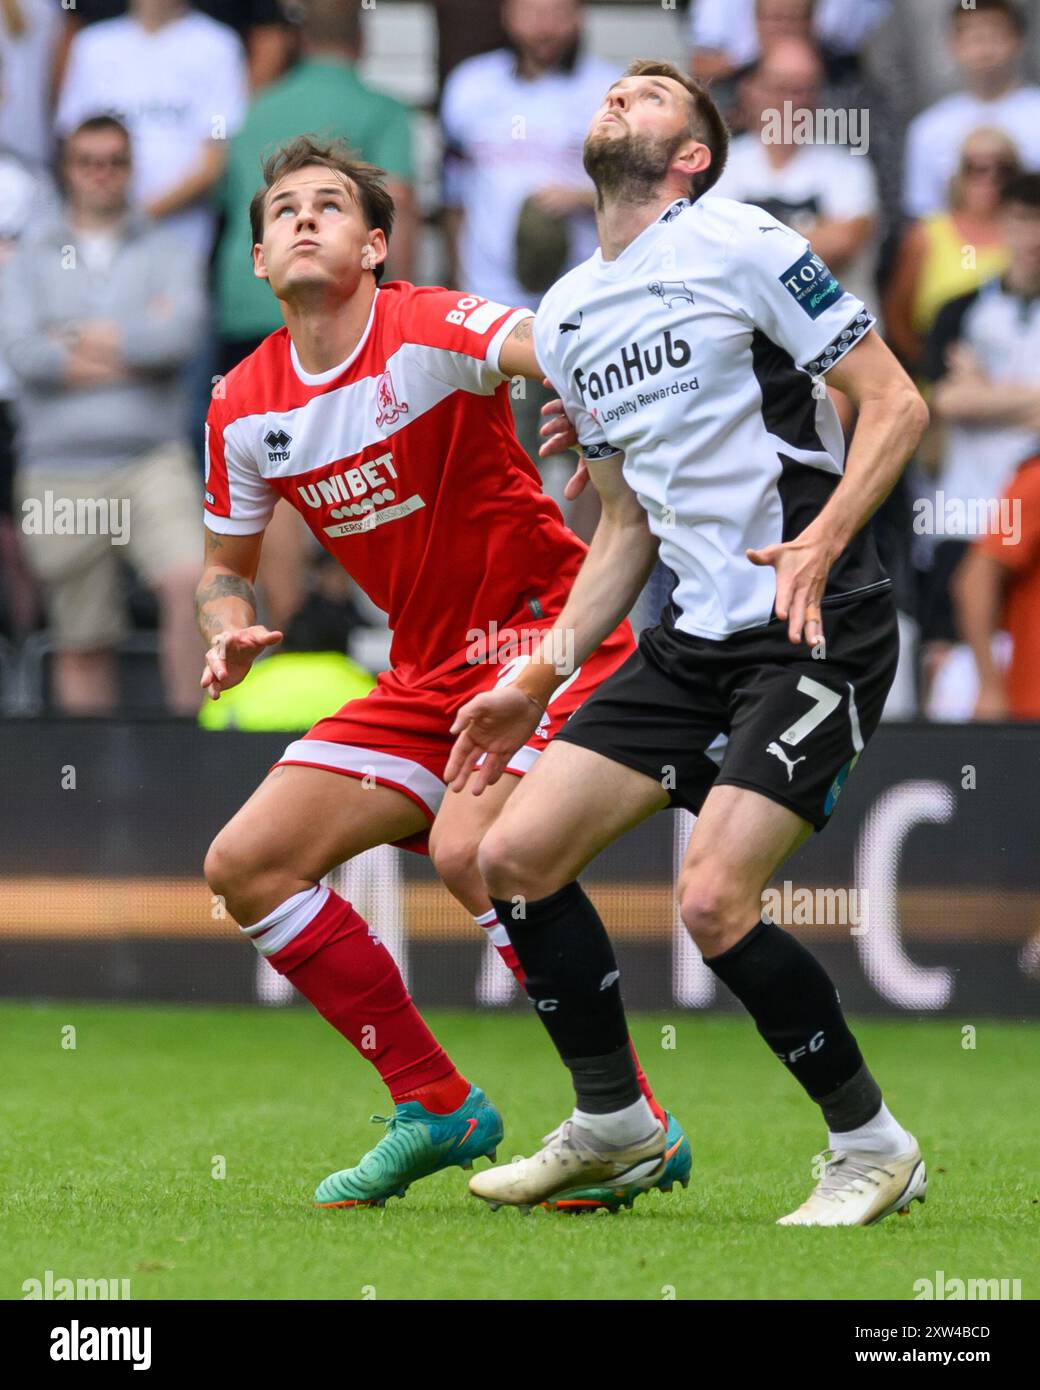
(922, 896)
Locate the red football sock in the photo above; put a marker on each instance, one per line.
(442, 1097)
(499, 938)
(509, 956)
(644, 1086)
(352, 980)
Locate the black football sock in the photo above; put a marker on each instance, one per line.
(795, 1006)
(572, 978)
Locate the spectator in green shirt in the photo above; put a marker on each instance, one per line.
(322, 94)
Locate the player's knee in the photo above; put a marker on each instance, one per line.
(456, 862)
(228, 867)
(714, 914)
(504, 866)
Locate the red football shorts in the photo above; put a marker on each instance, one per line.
(397, 735)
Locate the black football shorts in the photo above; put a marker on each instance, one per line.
(752, 710)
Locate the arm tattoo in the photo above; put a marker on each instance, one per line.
(223, 586)
(523, 331)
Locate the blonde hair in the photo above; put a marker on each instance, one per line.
(996, 137)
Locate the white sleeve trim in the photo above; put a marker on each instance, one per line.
(494, 351)
(857, 329)
(235, 525)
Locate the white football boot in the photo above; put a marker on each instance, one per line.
(857, 1189)
(572, 1157)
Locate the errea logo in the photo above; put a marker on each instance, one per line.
(277, 442)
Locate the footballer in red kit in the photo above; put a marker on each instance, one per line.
(382, 415)
(404, 462)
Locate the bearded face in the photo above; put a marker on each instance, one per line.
(627, 167)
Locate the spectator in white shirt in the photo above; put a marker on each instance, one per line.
(515, 121)
(825, 191)
(100, 310)
(178, 81)
(987, 42)
(726, 35)
(30, 31)
(983, 357)
(26, 197)
(519, 207)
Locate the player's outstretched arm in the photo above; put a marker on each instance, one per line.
(517, 356)
(610, 580)
(892, 417)
(225, 607)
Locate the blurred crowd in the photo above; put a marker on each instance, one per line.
(902, 137)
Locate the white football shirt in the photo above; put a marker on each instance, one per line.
(818, 181)
(508, 136)
(175, 88)
(694, 354)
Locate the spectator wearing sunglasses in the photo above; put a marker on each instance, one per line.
(987, 42)
(950, 253)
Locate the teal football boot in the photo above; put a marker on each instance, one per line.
(416, 1143)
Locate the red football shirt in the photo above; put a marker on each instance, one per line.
(405, 464)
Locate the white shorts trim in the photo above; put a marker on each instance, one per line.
(407, 776)
(523, 759)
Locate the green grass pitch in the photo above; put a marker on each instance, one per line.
(109, 1152)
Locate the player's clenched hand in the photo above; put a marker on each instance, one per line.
(496, 723)
(802, 566)
(232, 654)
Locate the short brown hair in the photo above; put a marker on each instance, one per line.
(706, 121)
(93, 124)
(368, 181)
(335, 23)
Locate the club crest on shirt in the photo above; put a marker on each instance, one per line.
(671, 292)
(389, 408)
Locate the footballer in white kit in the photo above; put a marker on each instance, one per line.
(691, 355)
(699, 353)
